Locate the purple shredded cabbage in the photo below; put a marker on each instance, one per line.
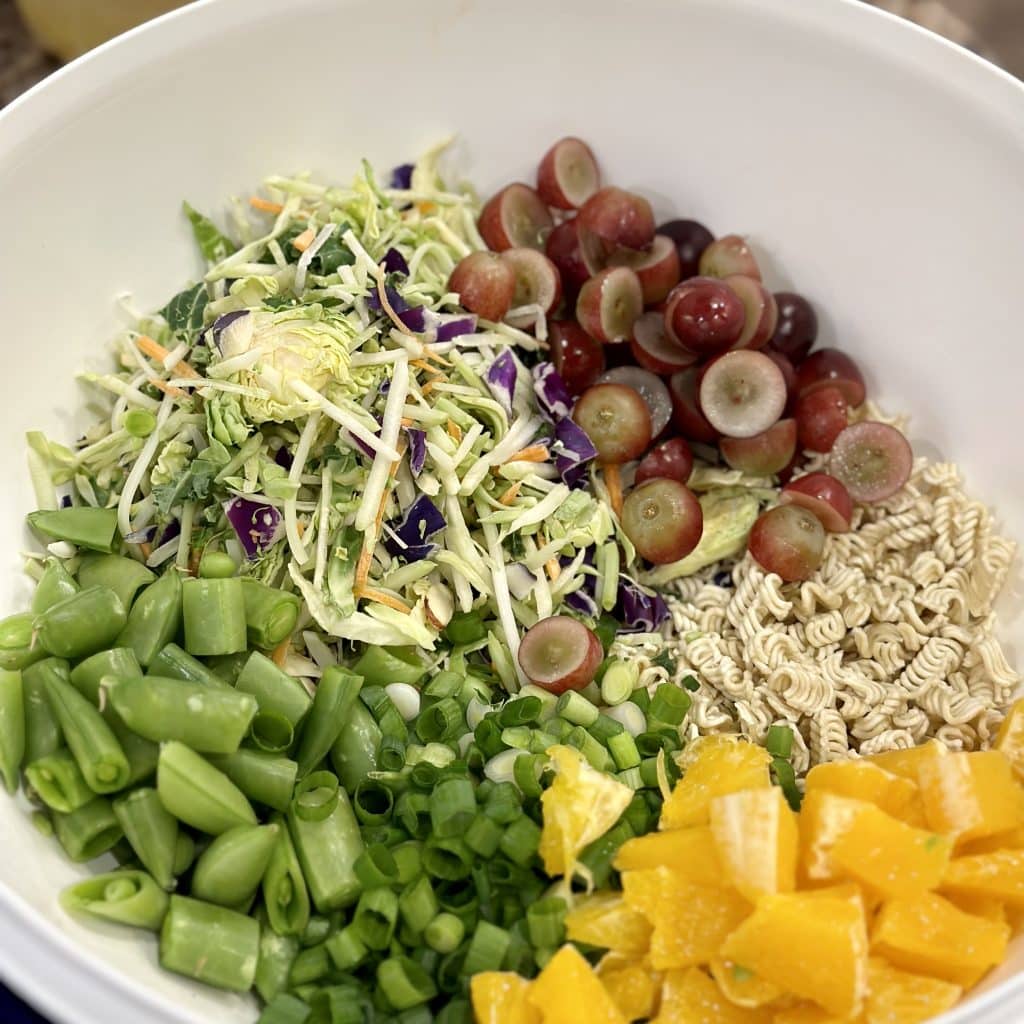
(452, 327)
(552, 394)
(412, 316)
(580, 601)
(421, 520)
(638, 609)
(283, 457)
(224, 321)
(257, 526)
(417, 449)
(501, 379)
(573, 450)
(394, 262)
(401, 176)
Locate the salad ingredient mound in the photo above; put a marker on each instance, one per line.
(390, 621)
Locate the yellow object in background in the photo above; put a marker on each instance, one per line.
(68, 28)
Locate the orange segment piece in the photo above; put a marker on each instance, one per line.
(713, 766)
(635, 987)
(756, 835)
(862, 780)
(824, 817)
(897, 997)
(691, 997)
(908, 763)
(808, 1013)
(689, 852)
(999, 875)
(740, 985)
(889, 856)
(1010, 738)
(606, 920)
(500, 997)
(568, 991)
(991, 844)
(971, 795)
(926, 934)
(814, 947)
(987, 907)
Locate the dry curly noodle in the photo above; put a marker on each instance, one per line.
(890, 643)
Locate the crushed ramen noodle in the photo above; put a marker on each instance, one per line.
(889, 643)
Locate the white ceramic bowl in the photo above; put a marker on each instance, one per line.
(877, 168)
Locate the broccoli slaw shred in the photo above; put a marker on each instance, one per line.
(320, 407)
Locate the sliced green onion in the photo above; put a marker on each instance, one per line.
(139, 422)
(604, 728)
(596, 755)
(408, 858)
(690, 683)
(391, 754)
(447, 859)
(641, 698)
(487, 949)
(465, 628)
(518, 737)
(376, 867)
(504, 803)
(440, 720)
(548, 700)
(631, 777)
(404, 983)
(500, 768)
(520, 841)
(521, 711)
(373, 802)
(576, 709)
(527, 771)
(598, 856)
(412, 812)
(405, 698)
(779, 741)
(619, 681)
(624, 751)
(346, 949)
(444, 933)
(452, 807)
(483, 836)
(639, 815)
(669, 704)
(488, 737)
(310, 965)
(283, 1008)
(444, 684)
(784, 775)
(316, 796)
(418, 904)
(545, 920)
(650, 742)
(605, 630)
(375, 917)
(629, 716)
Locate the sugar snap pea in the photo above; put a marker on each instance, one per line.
(199, 795)
(214, 616)
(81, 624)
(152, 832)
(230, 869)
(12, 727)
(81, 525)
(155, 618)
(42, 733)
(89, 831)
(54, 585)
(127, 897)
(123, 575)
(58, 781)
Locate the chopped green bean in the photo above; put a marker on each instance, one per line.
(127, 897)
(309, 965)
(285, 1009)
(184, 853)
(277, 953)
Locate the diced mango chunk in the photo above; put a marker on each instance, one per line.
(568, 991)
(811, 946)
(690, 921)
(713, 766)
(756, 836)
(889, 856)
(689, 852)
(500, 997)
(897, 997)
(607, 921)
(634, 986)
(990, 844)
(863, 780)
(999, 874)
(926, 934)
(740, 985)
(908, 763)
(809, 1013)
(691, 997)
(1010, 738)
(970, 795)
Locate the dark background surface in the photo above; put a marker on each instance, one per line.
(994, 28)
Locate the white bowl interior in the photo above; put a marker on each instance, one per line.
(875, 168)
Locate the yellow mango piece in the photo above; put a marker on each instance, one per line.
(690, 852)
(999, 874)
(606, 920)
(926, 934)
(897, 997)
(691, 997)
(500, 997)
(1010, 738)
(742, 986)
(908, 763)
(990, 844)
(635, 987)
(690, 921)
(889, 856)
(812, 946)
(568, 991)
(862, 780)
(713, 766)
(808, 1013)
(987, 907)
(824, 817)
(970, 795)
(579, 807)
(756, 835)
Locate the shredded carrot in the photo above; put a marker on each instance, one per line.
(193, 562)
(148, 347)
(432, 618)
(429, 353)
(146, 548)
(304, 241)
(553, 568)
(427, 388)
(382, 597)
(406, 421)
(613, 481)
(385, 303)
(167, 389)
(280, 652)
(454, 430)
(512, 493)
(259, 203)
(370, 538)
(535, 453)
(300, 528)
(426, 207)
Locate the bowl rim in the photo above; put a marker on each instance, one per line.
(35, 938)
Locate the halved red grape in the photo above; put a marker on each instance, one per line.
(761, 311)
(727, 255)
(618, 216)
(830, 367)
(616, 420)
(763, 454)
(797, 329)
(873, 460)
(663, 519)
(657, 268)
(559, 654)
(686, 411)
(609, 304)
(537, 282)
(820, 418)
(742, 393)
(788, 541)
(649, 387)
(823, 495)
(568, 174)
(484, 283)
(691, 238)
(788, 373)
(654, 350)
(516, 216)
(704, 315)
(578, 358)
(563, 249)
(672, 459)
